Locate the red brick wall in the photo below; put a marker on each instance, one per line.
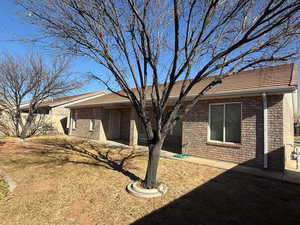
(275, 136)
(250, 150)
(83, 117)
(172, 143)
(105, 121)
(125, 124)
(195, 130)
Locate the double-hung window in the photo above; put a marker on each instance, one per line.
(225, 122)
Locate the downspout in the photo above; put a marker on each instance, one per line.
(265, 106)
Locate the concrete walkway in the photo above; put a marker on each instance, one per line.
(286, 176)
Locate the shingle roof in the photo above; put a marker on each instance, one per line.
(67, 99)
(262, 78)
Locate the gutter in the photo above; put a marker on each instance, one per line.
(265, 106)
(279, 89)
(256, 91)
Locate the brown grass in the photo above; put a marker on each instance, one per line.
(65, 181)
(3, 189)
(297, 140)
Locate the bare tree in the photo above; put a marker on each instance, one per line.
(30, 78)
(151, 44)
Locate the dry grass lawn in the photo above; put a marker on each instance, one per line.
(3, 189)
(297, 140)
(65, 181)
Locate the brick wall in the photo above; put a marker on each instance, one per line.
(250, 150)
(60, 110)
(195, 130)
(172, 142)
(125, 124)
(83, 117)
(276, 134)
(59, 117)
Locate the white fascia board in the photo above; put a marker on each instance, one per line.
(24, 105)
(66, 103)
(79, 100)
(249, 92)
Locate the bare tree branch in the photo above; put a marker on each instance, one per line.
(150, 45)
(30, 79)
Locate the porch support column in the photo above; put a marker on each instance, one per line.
(102, 136)
(133, 136)
(69, 122)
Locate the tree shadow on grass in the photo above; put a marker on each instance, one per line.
(232, 198)
(61, 151)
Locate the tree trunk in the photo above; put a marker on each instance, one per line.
(17, 118)
(24, 132)
(154, 153)
(26, 127)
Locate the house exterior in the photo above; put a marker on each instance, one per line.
(297, 126)
(247, 119)
(56, 110)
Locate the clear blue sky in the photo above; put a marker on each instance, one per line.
(13, 28)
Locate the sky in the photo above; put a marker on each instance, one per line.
(14, 28)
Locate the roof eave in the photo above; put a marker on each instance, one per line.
(235, 93)
(77, 99)
(256, 91)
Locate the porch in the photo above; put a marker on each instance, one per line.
(122, 125)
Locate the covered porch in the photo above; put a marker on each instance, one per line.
(121, 125)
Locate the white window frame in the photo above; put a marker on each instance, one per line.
(92, 124)
(224, 111)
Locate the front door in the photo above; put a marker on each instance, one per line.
(114, 124)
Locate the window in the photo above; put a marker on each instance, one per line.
(92, 125)
(225, 122)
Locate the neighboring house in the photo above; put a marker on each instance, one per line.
(56, 111)
(297, 126)
(248, 119)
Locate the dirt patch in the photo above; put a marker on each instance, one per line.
(10, 145)
(78, 212)
(65, 181)
(41, 185)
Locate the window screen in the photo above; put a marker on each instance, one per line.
(216, 122)
(225, 122)
(233, 123)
